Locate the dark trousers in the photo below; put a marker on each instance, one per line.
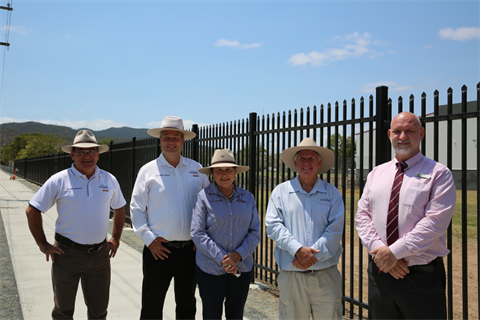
(216, 289)
(93, 270)
(420, 295)
(157, 275)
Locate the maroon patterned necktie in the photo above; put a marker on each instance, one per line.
(392, 218)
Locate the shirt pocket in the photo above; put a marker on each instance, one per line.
(416, 194)
(320, 214)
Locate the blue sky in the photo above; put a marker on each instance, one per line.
(101, 64)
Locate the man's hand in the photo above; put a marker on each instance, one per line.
(112, 247)
(304, 258)
(50, 250)
(34, 217)
(230, 261)
(158, 250)
(400, 269)
(384, 258)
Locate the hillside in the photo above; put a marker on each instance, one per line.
(9, 130)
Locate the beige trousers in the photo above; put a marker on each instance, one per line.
(318, 293)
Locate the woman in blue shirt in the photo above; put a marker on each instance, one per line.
(225, 229)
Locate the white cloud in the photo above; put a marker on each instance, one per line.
(460, 34)
(69, 36)
(429, 47)
(19, 30)
(392, 87)
(83, 109)
(235, 44)
(355, 45)
(94, 124)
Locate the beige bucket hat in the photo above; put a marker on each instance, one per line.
(172, 123)
(309, 144)
(85, 139)
(223, 158)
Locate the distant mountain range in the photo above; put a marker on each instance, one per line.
(9, 130)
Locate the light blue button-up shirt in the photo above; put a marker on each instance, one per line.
(298, 219)
(220, 226)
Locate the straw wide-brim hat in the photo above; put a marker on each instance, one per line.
(172, 123)
(85, 139)
(309, 144)
(223, 158)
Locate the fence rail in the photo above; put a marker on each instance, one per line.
(359, 141)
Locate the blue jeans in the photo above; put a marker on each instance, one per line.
(214, 290)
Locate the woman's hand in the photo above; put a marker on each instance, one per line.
(230, 261)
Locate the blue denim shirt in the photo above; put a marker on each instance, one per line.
(220, 226)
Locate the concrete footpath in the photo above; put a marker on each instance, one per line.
(32, 271)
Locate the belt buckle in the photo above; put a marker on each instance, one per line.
(94, 249)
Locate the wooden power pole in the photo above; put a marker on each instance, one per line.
(8, 8)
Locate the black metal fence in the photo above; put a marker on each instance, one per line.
(360, 142)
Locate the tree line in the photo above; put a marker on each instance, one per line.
(29, 145)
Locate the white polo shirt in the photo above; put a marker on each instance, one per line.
(83, 205)
(163, 198)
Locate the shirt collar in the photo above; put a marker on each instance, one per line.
(77, 173)
(412, 161)
(163, 162)
(297, 187)
(215, 190)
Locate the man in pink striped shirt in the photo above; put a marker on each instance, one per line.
(407, 275)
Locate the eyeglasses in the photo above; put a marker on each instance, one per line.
(83, 153)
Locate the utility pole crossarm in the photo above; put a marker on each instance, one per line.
(6, 8)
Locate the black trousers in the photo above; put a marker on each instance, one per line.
(214, 290)
(157, 275)
(420, 295)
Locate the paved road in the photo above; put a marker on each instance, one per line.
(32, 272)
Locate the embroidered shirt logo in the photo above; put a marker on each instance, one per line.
(102, 186)
(80, 188)
(193, 172)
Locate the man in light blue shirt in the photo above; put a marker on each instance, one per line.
(305, 218)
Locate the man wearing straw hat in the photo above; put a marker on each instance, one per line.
(305, 218)
(161, 209)
(83, 195)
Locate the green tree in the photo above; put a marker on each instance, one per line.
(11, 150)
(106, 141)
(29, 145)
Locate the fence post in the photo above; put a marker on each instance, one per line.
(195, 143)
(253, 151)
(383, 150)
(110, 154)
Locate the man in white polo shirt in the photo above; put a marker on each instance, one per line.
(161, 209)
(83, 195)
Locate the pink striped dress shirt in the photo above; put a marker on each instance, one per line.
(426, 205)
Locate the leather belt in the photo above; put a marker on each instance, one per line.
(310, 271)
(430, 267)
(178, 244)
(89, 248)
